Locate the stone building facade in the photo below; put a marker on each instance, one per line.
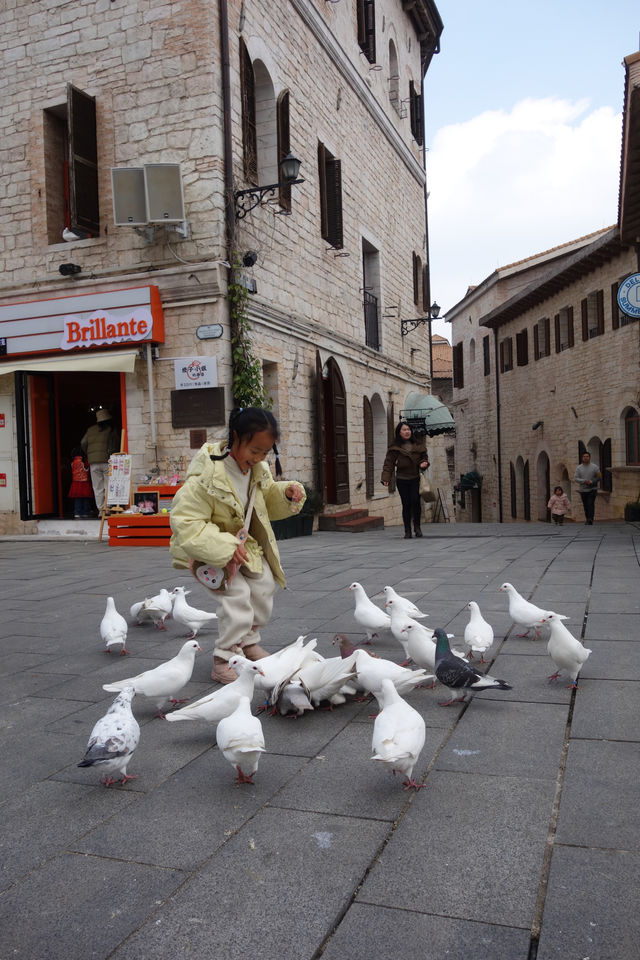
(546, 365)
(224, 90)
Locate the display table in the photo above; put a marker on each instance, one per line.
(144, 529)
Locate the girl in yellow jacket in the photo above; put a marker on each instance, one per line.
(208, 513)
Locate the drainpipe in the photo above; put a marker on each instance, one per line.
(152, 399)
(229, 214)
(498, 436)
(426, 230)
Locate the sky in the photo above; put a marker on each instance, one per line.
(523, 113)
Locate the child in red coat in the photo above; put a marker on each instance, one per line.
(80, 491)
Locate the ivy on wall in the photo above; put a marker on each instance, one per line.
(248, 386)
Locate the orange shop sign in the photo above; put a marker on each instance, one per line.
(133, 315)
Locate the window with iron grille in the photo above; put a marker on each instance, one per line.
(541, 339)
(249, 130)
(486, 355)
(506, 354)
(371, 293)
(563, 324)
(71, 166)
(366, 17)
(458, 368)
(415, 114)
(330, 179)
(522, 348)
(632, 438)
(593, 315)
(618, 317)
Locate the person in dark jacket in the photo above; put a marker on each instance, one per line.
(98, 443)
(407, 455)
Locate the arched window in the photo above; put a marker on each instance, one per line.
(632, 437)
(472, 352)
(394, 77)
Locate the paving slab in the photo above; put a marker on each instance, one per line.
(318, 861)
(371, 931)
(489, 830)
(600, 795)
(610, 626)
(591, 908)
(606, 710)
(612, 660)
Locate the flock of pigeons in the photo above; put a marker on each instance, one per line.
(297, 678)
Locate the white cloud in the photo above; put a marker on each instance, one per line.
(509, 184)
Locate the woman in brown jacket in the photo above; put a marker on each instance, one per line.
(408, 455)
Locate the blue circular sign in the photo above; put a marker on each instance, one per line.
(629, 296)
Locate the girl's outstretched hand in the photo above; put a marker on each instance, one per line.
(293, 492)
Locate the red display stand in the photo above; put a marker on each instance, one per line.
(144, 530)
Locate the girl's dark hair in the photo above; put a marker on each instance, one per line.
(558, 487)
(77, 452)
(246, 422)
(403, 423)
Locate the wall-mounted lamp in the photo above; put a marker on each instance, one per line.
(406, 326)
(538, 423)
(69, 269)
(245, 200)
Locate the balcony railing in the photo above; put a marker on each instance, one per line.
(371, 328)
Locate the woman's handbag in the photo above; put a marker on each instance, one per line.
(426, 490)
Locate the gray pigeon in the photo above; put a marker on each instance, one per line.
(456, 673)
(113, 739)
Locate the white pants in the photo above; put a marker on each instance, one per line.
(245, 607)
(99, 475)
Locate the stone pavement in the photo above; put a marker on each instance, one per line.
(524, 844)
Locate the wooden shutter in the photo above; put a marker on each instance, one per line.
(458, 369)
(370, 30)
(83, 161)
(584, 306)
(367, 416)
(340, 433)
(615, 309)
(415, 114)
(556, 327)
(536, 342)
(522, 348)
(486, 353)
(284, 146)
(547, 336)
(426, 293)
(570, 326)
(600, 311)
(502, 356)
(512, 484)
(415, 278)
(334, 203)
(391, 429)
(249, 135)
(321, 456)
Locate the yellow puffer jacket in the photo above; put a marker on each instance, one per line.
(206, 514)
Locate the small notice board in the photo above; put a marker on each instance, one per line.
(441, 514)
(119, 482)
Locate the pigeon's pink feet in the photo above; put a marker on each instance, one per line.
(124, 653)
(190, 636)
(572, 686)
(524, 635)
(243, 777)
(160, 625)
(448, 703)
(554, 676)
(482, 660)
(404, 662)
(108, 781)
(470, 655)
(129, 776)
(408, 784)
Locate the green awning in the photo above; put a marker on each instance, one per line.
(423, 406)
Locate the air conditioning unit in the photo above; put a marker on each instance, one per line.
(147, 195)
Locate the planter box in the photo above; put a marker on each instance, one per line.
(299, 526)
(632, 512)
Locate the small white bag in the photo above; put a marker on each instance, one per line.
(426, 490)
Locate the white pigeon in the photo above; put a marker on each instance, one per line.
(189, 616)
(478, 634)
(367, 614)
(398, 734)
(114, 739)
(293, 700)
(325, 679)
(281, 666)
(371, 671)
(566, 652)
(241, 740)
(421, 647)
(225, 699)
(113, 628)
(164, 681)
(155, 609)
(524, 613)
(393, 599)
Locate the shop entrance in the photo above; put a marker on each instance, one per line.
(53, 412)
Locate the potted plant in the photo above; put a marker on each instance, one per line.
(632, 510)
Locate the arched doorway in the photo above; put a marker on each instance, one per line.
(543, 487)
(332, 439)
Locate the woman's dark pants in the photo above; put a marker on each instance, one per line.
(409, 491)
